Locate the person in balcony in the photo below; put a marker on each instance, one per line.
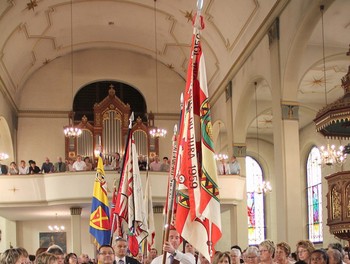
(23, 169)
(116, 162)
(3, 169)
(88, 164)
(33, 169)
(13, 169)
(234, 167)
(59, 166)
(165, 165)
(155, 165)
(47, 166)
(79, 164)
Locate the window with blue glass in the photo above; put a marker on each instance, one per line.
(314, 195)
(255, 202)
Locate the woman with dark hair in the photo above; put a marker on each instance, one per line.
(71, 258)
(319, 256)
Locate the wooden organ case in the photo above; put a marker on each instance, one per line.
(109, 131)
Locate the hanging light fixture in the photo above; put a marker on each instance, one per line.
(56, 227)
(70, 130)
(330, 155)
(220, 156)
(156, 132)
(264, 187)
(3, 156)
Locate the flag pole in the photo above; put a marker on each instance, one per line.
(171, 192)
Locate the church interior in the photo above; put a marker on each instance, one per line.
(278, 72)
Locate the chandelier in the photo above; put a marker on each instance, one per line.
(3, 156)
(332, 121)
(158, 132)
(56, 228)
(330, 155)
(71, 131)
(264, 187)
(220, 156)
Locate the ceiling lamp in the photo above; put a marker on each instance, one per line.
(333, 121)
(3, 156)
(220, 156)
(156, 132)
(55, 227)
(71, 131)
(264, 188)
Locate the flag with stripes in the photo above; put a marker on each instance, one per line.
(129, 201)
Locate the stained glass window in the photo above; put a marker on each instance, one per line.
(314, 195)
(255, 202)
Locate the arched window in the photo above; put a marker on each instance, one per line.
(314, 195)
(255, 202)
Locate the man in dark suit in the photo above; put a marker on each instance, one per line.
(120, 249)
(3, 169)
(106, 254)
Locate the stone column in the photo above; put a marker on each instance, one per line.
(287, 224)
(75, 213)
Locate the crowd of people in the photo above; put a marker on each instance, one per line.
(81, 164)
(265, 253)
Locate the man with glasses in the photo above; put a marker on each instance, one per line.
(106, 254)
(120, 249)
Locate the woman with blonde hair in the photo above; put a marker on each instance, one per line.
(282, 253)
(304, 250)
(267, 252)
(10, 256)
(46, 258)
(222, 258)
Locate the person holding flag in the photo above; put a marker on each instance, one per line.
(99, 218)
(173, 255)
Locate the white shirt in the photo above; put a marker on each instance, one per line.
(79, 165)
(184, 258)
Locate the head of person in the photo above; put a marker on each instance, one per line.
(251, 255)
(139, 257)
(165, 160)
(334, 255)
(78, 158)
(235, 256)
(117, 156)
(71, 258)
(267, 250)
(319, 256)
(84, 258)
(33, 164)
(10, 256)
(87, 160)
(23, 255)
(47, 160)
(189, 248)
(174, 238)
(23, 163)
(59, 159)
(58, 252)
(156, 158)
(304, 250)
(282, 252)
(106, 254)
(233, 158)
(40, 250)
(13, 164)
(338, 247)
(202, 259)
(46, 258)
(121, 247)
(153, 253)
(222, 258)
